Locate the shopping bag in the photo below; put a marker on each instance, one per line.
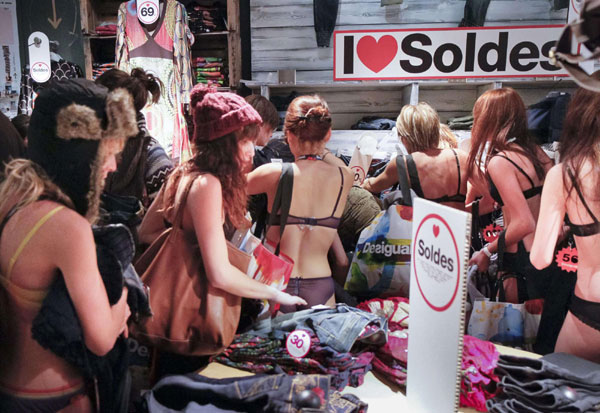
(264, 265)
(361, 158)
(381, 262)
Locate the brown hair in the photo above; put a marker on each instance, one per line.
(580, 138)
(139, 84)
(500, 115)
(419, 127)
(215, 158)
(308, 118)
(265, 109)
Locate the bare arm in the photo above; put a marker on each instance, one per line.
(75, 255)
(207, 221)
(388, 178)
(263, 179)
(552, 214)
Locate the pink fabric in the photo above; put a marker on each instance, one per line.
(480, 358)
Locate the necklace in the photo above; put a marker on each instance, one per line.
(310, 157)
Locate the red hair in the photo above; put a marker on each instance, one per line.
(499, 116)
(308, 118)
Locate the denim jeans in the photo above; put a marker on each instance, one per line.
(337, 327)
(261, 393)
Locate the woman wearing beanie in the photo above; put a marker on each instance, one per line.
(225, 127)
(318, 199)
(440, 174)
(46, 207)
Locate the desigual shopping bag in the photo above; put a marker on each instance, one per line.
(381, 263)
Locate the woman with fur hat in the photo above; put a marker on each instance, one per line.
(318, 199)
(225, 128)
(46, 207)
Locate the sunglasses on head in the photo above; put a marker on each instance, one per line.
(586, 30)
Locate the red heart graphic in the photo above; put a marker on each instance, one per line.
(376, 54)
(436, 231)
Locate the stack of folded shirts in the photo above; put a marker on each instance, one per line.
(210, 71)
(106, 29)
(203, 18)
(99, 68)
(558, 382)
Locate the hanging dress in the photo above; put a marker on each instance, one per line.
(165, 53)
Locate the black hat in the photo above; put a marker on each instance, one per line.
(70, 126)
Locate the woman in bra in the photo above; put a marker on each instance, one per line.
(434, 173)
(571, 192)
(46, 208)
(318, 199)
(505, 162)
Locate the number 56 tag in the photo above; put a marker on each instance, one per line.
(147, 11)
(298, 343)
(567, 259)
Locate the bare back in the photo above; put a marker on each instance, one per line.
(24, 363)
(318, 186)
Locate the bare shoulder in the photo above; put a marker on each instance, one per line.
(203, 186)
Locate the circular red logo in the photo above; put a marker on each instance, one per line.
(436, 262)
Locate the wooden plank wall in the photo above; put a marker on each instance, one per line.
(283, 37)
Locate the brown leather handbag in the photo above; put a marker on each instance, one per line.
(191, 317)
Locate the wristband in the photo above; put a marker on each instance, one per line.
(486, 251)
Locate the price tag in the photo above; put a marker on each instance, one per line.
(298, 343)
(147, 11)
(491, 232)
(567, 259)
(39, 57)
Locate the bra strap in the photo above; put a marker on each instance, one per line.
(413, 174)
(339, 193)
(458, 168)
(580, 194)
(519, 169)
(28, 237)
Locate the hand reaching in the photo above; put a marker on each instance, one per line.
(287, 299)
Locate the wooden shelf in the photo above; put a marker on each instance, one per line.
(211, 34)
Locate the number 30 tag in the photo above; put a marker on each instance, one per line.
(298, 343)
(567, 259)
(147, 11)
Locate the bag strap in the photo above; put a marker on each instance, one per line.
(181, 198)
(283, 200)
(403, 179)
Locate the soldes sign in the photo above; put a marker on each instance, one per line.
(480, 52)
(436, 262)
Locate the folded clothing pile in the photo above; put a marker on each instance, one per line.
(98, 69)
(269, 355)
(106, 29)
(557, 382)
(479, 359)
(210, 71)
(206, 18)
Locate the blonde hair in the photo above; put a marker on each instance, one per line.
(419, 127)
(24, 184)
(447, 138)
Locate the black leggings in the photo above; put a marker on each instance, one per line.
(325, 14)
(314, 290)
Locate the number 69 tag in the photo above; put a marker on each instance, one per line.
(298, 343)
(147, 11)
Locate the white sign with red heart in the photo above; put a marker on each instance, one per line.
(458, 52)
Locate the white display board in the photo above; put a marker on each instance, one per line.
(445, 53)
(440, 249)
(10, 69)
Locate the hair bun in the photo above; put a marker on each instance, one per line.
(199, 91)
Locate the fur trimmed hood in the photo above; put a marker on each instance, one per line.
(69, 131)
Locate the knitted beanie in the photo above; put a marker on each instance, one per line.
(217, 114)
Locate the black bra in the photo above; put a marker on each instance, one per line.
(416, 184)
(329, 222)
(528, 193)
(582, 230)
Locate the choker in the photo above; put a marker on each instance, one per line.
(310, 158)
